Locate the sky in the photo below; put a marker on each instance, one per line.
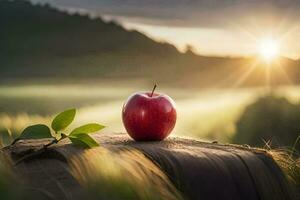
(212, 27)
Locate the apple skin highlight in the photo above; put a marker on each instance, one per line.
(149, 116)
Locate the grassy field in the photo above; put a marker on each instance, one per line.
(208, 114)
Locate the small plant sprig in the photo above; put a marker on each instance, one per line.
(79, 136)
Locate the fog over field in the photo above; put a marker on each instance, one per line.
(202, 113)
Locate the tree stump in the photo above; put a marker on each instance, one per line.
(176, 168)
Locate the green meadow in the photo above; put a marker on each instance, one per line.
(206, 114)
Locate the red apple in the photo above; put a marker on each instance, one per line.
(149, 116)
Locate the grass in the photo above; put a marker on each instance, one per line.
(143, 179)
(125, 174)
(202, 114)
(122, 175)
(289, 165)
(207, 114)
(11, 186)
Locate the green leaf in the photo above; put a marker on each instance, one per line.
(88, 128)
(37, 131)
(84, 140)
(63, 120)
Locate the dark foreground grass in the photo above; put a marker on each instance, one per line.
(124, 175)
(96, 174)
(11, 186)
(122, 169)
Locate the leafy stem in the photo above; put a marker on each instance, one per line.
(51, 143)
(78, 136)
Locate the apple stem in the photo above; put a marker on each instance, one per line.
(153, 90)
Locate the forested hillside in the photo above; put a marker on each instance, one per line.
(40, 41)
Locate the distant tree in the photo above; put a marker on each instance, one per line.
(190, 49)
(270, 119)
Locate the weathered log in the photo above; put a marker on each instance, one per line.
(177, 168)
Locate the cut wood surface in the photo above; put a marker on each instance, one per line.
(178, 167)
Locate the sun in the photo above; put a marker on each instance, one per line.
(268, 49)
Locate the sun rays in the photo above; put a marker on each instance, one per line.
(269, 49)
(268, 60)
(271, 70)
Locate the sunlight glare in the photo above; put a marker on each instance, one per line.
(268, 49)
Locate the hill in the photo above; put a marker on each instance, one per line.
(39, 41)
